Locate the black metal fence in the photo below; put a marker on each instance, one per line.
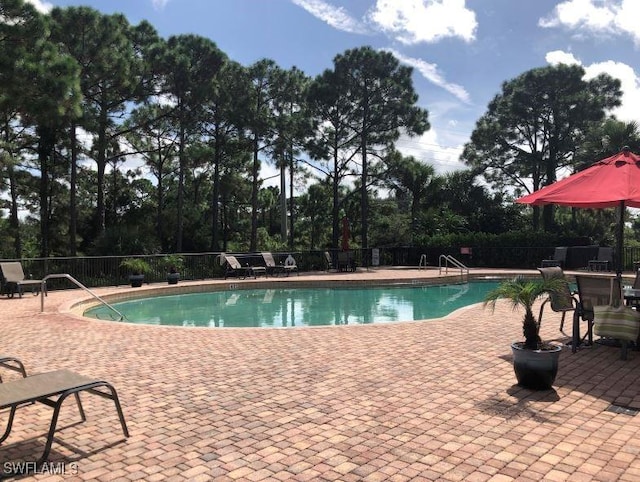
(107, 270)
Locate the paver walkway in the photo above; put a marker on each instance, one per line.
(417, 401)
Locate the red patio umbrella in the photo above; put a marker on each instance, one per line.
(611, 182)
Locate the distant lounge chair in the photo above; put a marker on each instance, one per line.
(328, 260)
(233, 267)
(290, 265)
(14, 280)
(346, 261)
(270, 263)
(560, 302)
(52, 389)
(603, 261)
(559, 258)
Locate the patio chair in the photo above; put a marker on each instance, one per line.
(561, 302)
(272, 267)
(290, 265)
(14, 280)
(12, 363)
(346, 261)
(328, 261)
(559, 258)
(593, 290)
(603, 261)
(52, 389)
(233, 267)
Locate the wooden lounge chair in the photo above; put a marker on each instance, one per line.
(233, 267)
(561, 302)
(12, 363)
(52, 389)
(14, 280)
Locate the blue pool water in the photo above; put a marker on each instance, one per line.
(289, 307)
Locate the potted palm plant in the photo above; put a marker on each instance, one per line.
(535, 362)
(173, 264)
(137, 267)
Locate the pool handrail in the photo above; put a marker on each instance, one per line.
(80, 285)
(447, 258)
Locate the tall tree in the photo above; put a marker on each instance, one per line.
(112, 75)
(263, 75)
(189, 66)
(334, 143)
(225, 115)
(383, 105)
(39, 90)
(411, 180)
(291, 130)
(532, 127)
(155, 141)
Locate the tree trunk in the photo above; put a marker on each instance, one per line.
(73, 209)
(253, 242)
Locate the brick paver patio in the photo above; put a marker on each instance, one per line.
(429, 400)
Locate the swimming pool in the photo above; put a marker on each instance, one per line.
(290, 307)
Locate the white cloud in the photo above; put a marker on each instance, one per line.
(41, 5)
(428, 149)
(629, 79)
(337, 17)
(159, 4)
(416, 21)
(431, 73)
(560, 57)
(610, 17)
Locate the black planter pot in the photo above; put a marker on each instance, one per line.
(136, 280)
(172, 278)
(535, 369)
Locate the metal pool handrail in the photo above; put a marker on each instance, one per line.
(80, 285)
(450, 259)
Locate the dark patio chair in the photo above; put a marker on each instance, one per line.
(272, 267)
(233, 267)
(328, 261)
(559, 258)
(560, 302)
(593, 290)
(603, 261)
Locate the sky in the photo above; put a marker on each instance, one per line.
(461, 50)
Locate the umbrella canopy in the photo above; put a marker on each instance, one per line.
(611, 182)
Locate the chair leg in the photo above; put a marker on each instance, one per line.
(575, 332)
(623, 349)
(7, 430)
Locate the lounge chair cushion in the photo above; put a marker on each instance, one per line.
(619, 322)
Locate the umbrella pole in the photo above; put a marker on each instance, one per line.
(619, 242)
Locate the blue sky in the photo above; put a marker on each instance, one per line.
(461, 51)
